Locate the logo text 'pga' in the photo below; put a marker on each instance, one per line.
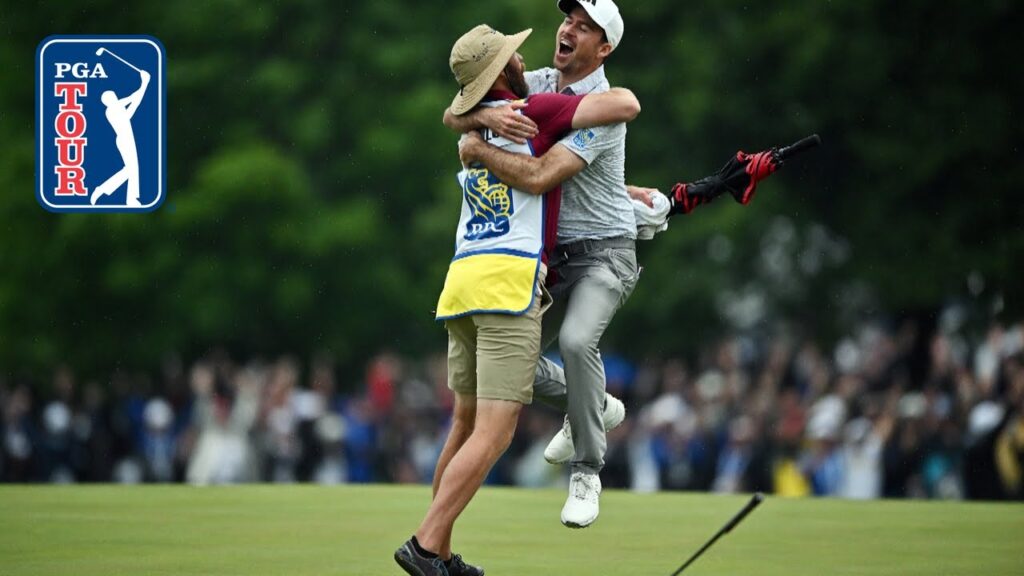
(80, 70)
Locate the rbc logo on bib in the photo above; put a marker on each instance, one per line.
(491, 203)
(100, 124)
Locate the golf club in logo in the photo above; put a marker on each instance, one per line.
(126, 63)
(100, 137)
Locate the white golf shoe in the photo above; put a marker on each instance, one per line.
(560, 449)
(583, 504)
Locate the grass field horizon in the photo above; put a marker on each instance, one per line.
(353, 530)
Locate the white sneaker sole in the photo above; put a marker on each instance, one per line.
(577, 526)
(580, 523)
(615, 415)
(556, 460)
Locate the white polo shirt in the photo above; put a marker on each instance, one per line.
(594, 202)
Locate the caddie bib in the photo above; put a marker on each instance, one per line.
(498, 243)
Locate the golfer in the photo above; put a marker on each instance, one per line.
(119, 114)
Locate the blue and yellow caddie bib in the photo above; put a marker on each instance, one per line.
(498, 244)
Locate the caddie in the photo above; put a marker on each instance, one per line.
(493, 296)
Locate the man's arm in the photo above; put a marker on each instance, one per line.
(522, 171)
(538, 175)
(611, 107)
(503, 120)
(136, 98)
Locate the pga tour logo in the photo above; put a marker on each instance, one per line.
(101, 124)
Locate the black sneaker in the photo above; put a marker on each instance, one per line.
(417, 565)
(456, 567)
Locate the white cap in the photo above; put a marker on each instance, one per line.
(604, 13)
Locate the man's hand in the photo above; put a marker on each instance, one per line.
(506, 122)
(468, 147)
(641, 194)
(145, 76)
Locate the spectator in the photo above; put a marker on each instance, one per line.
(158, 441)
(862, 458)
(225, 412)
(18, 435)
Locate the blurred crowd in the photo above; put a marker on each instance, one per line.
(891, 411)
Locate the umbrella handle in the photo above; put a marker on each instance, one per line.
(786, 152)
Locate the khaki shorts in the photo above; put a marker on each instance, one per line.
(495, 356)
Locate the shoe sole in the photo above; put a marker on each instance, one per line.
(409, 568)
(578, 526)
(556, 462)
(620, 417)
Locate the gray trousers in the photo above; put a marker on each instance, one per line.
(589, 289)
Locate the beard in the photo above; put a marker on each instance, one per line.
(517, 81)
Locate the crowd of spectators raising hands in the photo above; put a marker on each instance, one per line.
(887, 412)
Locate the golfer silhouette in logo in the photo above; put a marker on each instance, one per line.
(119, 114)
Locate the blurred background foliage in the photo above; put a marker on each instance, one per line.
(311, 204)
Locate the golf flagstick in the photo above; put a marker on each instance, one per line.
(754, 502)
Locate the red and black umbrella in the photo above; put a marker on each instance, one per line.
(738, 177)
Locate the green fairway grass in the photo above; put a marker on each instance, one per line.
(354, 530)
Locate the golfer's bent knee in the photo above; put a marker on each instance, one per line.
(575, 345)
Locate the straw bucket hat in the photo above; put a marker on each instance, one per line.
(477, 60)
